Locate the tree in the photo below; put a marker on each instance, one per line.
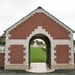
(74, 42)
(32, 42)
(2, 42)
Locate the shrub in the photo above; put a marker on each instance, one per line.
(2, 42)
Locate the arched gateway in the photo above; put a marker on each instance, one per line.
(39, 24)
(48, 48)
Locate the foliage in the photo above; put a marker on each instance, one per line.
(2, 42)
(32, 42)
(74, 42)
(44, 49)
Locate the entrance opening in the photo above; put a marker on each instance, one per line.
(37, 51)
(40, 50)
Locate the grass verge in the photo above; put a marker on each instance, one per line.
(37, 54)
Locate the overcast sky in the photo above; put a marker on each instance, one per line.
(13, 10)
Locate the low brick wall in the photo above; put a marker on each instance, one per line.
(2, 59)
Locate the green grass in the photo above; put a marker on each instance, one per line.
(37, 54)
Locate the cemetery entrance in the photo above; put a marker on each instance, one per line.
(48, 49)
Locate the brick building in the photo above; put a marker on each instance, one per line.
(39, 24)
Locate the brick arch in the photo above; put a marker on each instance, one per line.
(39, 30)
(48, 48)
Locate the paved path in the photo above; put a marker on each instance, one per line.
(39, 68)
(56, 72)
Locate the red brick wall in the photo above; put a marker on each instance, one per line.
(2, 59)
(62, 54)
(39, 19)
(16, 54)
(74, 58)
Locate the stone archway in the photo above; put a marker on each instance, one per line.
(48, 48)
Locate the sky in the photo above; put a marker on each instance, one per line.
(12, 11)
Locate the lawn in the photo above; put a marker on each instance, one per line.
(37, 54)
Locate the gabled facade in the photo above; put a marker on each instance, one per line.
(39, 24)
